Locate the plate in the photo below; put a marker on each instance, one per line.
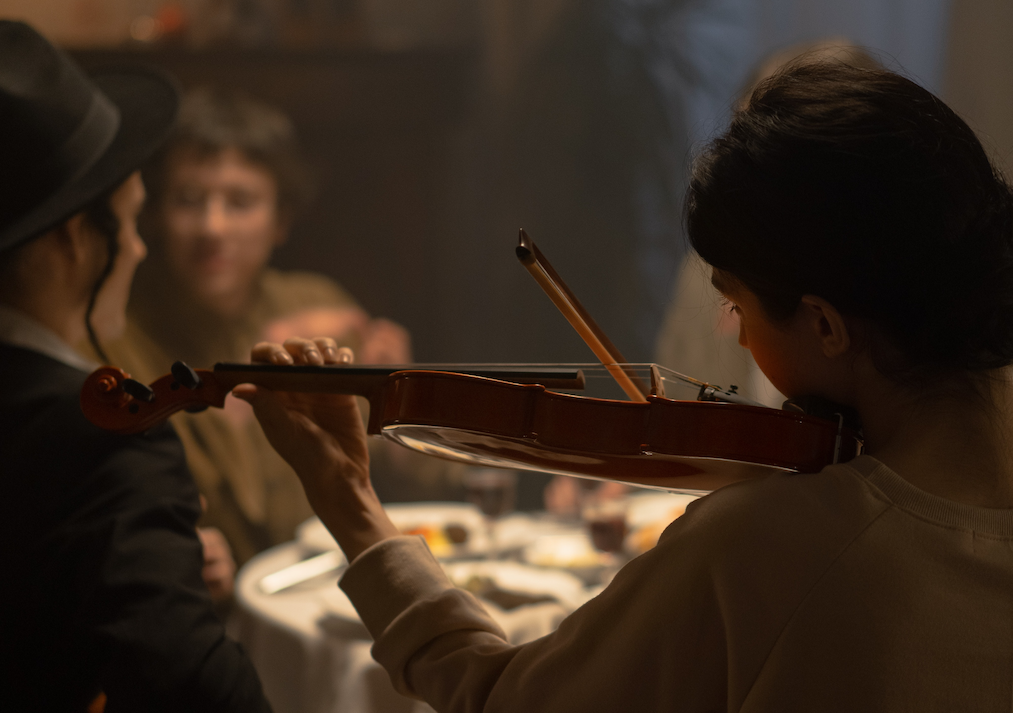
(645, 508)
(565, 588)
(568, 550)
(522, 579)
(450, 529)
(648, 514)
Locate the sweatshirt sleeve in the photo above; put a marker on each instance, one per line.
(640, 645)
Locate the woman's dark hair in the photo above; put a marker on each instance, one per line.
(211, 121)
(861, 187)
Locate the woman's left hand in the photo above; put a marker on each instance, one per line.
(322, 437)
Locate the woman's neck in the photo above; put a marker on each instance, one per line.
(956, 443)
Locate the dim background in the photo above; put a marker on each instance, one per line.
(436, 128)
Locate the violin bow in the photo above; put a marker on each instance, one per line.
(606, 352)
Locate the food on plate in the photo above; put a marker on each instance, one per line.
(441, 539)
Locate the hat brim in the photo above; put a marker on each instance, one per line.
(148, 101)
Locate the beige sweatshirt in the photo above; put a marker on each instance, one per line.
(845, 590)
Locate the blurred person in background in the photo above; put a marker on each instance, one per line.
(224, 192)
(103, 598)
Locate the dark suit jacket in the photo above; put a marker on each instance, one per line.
(100, 571)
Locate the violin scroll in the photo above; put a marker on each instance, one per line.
(112, 400)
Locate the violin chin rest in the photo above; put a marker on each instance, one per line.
(826, 409)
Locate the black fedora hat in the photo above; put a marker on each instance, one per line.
(66, 138)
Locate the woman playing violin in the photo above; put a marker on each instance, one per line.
(858, 230)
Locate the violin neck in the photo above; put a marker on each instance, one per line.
(367, 380)
(355, 381)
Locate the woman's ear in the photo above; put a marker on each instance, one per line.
(828, 326)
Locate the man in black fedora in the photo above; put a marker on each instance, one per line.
(101, 595)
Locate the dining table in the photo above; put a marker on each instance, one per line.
(529, 570)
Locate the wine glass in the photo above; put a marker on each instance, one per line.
(494, 492)
(605, 519)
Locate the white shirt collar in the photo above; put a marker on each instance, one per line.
(20, 330)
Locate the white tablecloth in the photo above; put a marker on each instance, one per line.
(312, 653)
(303, 668)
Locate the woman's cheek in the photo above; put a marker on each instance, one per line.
(772, 364)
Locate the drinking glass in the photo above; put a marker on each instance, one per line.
(606, 524)
(494, 492)
(605, 520)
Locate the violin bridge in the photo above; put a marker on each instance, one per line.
(657, 383)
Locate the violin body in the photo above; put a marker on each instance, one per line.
(664, 443)
(661, 443)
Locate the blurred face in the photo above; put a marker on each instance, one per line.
(221, 224)
(109, 314)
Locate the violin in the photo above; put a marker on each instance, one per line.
(516, 418)
(528, 416)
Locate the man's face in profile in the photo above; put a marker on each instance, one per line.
(220, 225)
(109, 313)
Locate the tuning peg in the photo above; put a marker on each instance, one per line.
(138, 390)
(186, 376)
